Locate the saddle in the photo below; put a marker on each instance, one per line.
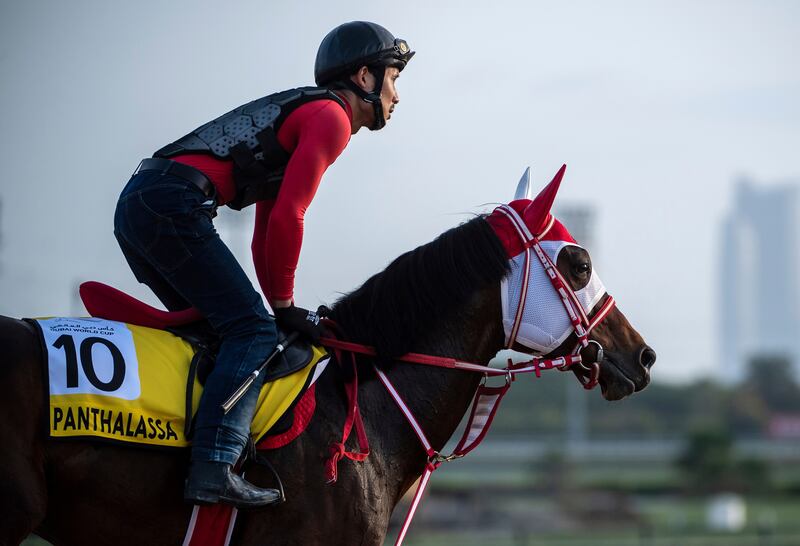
(106, 302)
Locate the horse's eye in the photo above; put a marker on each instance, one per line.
(583, 268)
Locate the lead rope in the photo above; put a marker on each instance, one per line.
(430, 465)
(485, 405)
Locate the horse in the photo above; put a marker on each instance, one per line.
(442, 298)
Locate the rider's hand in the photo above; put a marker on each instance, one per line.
(300, 320)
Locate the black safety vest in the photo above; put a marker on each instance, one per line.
(248, 135)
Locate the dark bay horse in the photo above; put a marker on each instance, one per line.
(441, 299)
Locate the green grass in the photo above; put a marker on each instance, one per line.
(663, 521)
(666, 522)
(779, 513)
(599, 539)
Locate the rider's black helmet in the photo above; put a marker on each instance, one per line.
(352, 45)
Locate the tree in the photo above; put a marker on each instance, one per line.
(707, 460)
(708, 464)
(770, 376)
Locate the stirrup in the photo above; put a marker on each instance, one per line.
(251, 454)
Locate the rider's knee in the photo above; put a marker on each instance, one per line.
(265, 326)
(256, 324)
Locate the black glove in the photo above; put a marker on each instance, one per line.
(300, 320)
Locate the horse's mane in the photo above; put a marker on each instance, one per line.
(397, 306)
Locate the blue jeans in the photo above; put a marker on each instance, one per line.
(163, 225)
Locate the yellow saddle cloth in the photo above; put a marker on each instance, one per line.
(127, 383)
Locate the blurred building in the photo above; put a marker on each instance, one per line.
(759, 276)
(580, 221)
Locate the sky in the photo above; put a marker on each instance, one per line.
(656, 107)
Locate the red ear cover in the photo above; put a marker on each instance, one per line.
(537, 213)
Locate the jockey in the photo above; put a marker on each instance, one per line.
(271, 152)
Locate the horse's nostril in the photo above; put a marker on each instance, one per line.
(647, 357)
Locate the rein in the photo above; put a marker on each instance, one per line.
(534, 365)
(487, 399)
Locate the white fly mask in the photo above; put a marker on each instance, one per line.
(544, 324)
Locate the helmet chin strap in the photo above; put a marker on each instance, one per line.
(373, 97)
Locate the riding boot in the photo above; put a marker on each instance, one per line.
(210, 482)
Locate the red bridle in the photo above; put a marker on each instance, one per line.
(581, 324)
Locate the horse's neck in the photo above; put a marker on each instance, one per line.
(437, 397)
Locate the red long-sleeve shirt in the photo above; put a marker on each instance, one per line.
(314, 134)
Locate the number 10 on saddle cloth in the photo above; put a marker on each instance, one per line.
(127, 383)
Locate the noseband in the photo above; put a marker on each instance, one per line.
(581, 324)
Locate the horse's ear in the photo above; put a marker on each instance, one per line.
(537, 213)
(524, 186)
